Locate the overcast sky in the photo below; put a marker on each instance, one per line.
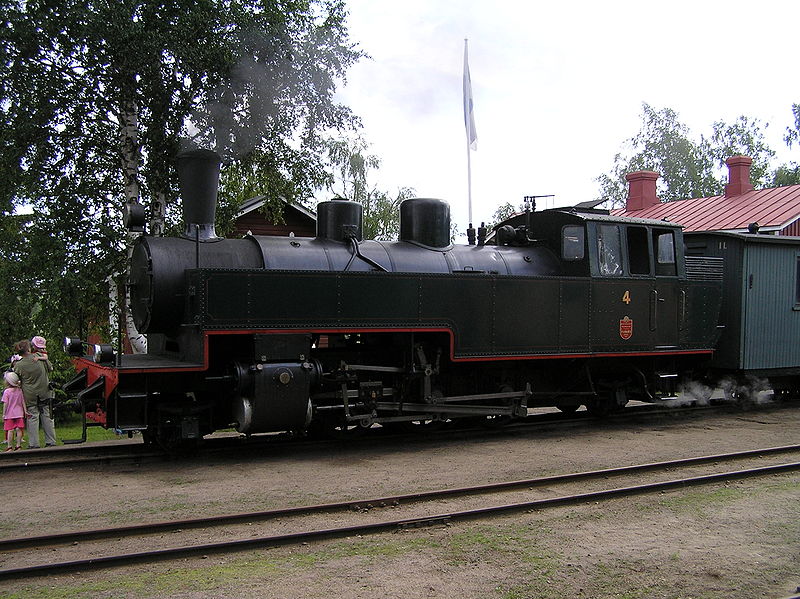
(557, 87)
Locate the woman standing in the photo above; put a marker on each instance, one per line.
(34, 371)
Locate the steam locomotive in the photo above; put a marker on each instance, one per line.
(562, 307)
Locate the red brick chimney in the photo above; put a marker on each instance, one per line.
(642, 190)
(738, 176)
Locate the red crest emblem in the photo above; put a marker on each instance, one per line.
(626, 328)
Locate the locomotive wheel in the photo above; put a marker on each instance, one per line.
(167, 437)
(149, 438)
(599, 407)
(699, 391)
(344, 431)
(423, 426)
(496, 421)
(171, 442)
(742, 397)
(745, 392)
(335, 429)
(781, 394)
(611, 401)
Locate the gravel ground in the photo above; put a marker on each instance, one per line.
(738, 539)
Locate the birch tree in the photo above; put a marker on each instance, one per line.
(97, 97)
(690, 166)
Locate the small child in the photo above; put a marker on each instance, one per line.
(14, 412)
(39, 348)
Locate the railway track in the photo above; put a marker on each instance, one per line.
(137, 453)
(365, 516)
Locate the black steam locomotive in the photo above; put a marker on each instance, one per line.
(565, 307)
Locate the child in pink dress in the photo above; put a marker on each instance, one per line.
(14, 410)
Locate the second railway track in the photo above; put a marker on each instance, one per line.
(133, 452)
(88, 549)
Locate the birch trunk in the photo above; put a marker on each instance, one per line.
(157, 214)
(130, 156)
(129, 146)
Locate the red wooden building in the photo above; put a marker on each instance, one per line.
(742, 208)
(297, 219)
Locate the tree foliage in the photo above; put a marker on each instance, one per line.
(689, 167)
(352, 164)
(504, 212)
(97, 99)
(789, 174)
(793, 133)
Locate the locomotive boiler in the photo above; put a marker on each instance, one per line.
(565, 307)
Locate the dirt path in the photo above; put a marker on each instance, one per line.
(738, 539)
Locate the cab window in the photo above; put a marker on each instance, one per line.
(572, 243)
(664, 245)
(609, 251)
(638, 250)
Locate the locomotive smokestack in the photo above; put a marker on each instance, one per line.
(198, 173)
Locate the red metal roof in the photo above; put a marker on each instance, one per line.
(773, 208)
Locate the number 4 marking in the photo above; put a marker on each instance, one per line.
(627, 297)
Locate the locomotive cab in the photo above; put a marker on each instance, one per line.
(593, 243)
(627, 289)
(636, 275)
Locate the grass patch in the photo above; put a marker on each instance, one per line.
(698, 501)
(73, 430)
(70, 427)
(265, 566)
(619, 579)
(230, 573)
(788, 485)
(520, 547)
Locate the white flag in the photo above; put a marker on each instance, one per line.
(469, 117)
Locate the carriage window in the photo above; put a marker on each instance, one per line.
(665, 253)
(638, 252)
(609, 250)
(572, 243)
(797, 285)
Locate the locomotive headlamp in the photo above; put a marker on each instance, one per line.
(73, 346)
(103, 353)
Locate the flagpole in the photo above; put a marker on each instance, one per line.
(469, 125)
(469, 183)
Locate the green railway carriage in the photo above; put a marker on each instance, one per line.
(760, 312)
